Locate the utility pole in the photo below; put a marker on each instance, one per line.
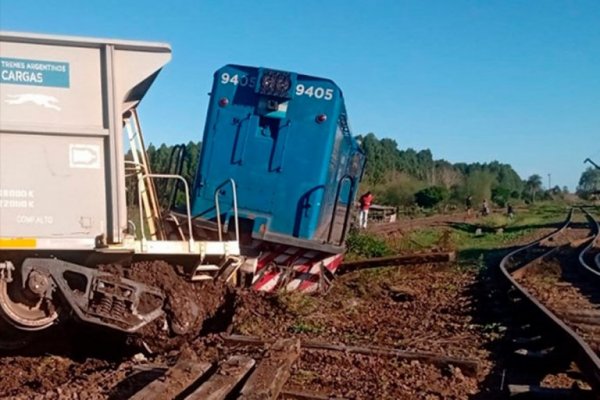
(549, 181)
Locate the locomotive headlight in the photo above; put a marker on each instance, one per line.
(321, 118)
(268, 83)
(283, 83)
(274, 83)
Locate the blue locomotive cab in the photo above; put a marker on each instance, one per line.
(284, 139)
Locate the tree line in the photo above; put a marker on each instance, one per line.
(408, 177)
(162, 159)
(589, 183)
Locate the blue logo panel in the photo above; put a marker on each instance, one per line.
(18, 71)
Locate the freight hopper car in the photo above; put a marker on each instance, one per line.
(284, 138)
(67, 111)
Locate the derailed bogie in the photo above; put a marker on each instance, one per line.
(32, 295)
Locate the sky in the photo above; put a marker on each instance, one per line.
(474, 81)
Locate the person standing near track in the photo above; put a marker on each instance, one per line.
(365, 202)
(485, 210)
(469, 204)
(510, 211)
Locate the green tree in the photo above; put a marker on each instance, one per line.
(387, 166)
(479, 185)
(500, 195)
(431, 196)
(400, 191)
(160, 159)
(589, 183)
(533, 185)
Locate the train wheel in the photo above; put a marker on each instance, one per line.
(24, 308)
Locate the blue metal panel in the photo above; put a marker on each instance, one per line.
(284, 139)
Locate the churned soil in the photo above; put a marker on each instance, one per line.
(66, 363)
(188, 306)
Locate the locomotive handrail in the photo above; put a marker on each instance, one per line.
(348, 209)
(187, 203)
(235, 208)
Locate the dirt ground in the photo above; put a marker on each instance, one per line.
(410, 224)
(433, 308)
(416, 308)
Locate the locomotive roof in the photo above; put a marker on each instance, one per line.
(302, 76)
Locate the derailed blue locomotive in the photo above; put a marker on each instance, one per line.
(284, 139)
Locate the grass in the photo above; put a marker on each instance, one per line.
(366, 245)
(305, 327)
(295, 303)
(305, 376)
(462, 237)
(471, 246)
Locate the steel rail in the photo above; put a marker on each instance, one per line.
(593, 243)
(583, 355)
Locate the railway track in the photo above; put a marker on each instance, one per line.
(554, 287)
(239, 376)
(251, 373)
(589, 257)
